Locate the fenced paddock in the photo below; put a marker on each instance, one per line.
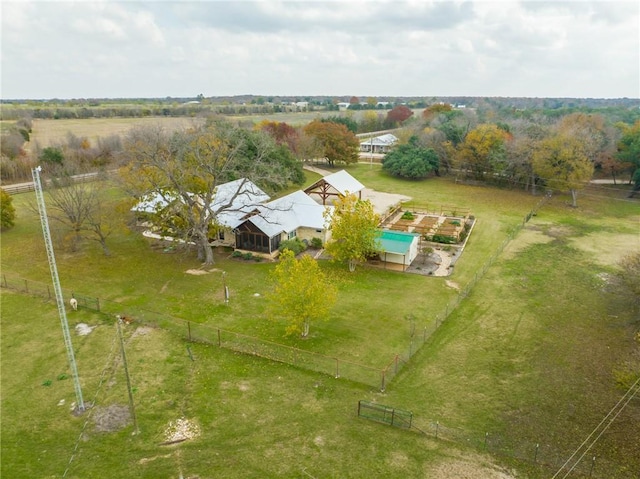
(378, 377)
(203, 333)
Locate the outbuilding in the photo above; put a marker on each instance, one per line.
(398, 247)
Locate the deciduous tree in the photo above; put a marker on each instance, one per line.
(7, 210)
(353, 225)
(562, 162)
(82, 209)
(483, 151)
(629, 152)
(302, 293)
(434, 110)
(191, 164)
(338, 143)
(398, 115)
(282, 132)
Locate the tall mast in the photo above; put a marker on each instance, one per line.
(56, 286)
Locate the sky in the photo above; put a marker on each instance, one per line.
(180, 49)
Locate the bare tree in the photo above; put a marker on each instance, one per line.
(81, 208)
(187, 167)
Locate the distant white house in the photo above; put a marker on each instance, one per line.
(378, 144)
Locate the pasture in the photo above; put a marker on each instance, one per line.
(532, 355)
(51, 132)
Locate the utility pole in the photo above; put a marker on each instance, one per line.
(56, 286)
(126, 373)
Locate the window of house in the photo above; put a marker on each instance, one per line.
(292, 234)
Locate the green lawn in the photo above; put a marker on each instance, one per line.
(531, 356)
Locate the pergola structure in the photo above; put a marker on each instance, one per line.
(336, 184)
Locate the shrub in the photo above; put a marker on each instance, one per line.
(316, 243)
(52, 155)
(247, 256)
(407, 215)
(236, 254)
(443, 239)
(294, 245)
(7, 210)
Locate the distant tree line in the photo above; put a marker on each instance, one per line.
(493, 142)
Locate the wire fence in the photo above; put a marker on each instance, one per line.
(420, 333)
(204, 333)
(377, 377)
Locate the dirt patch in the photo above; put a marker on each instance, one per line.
(181, 430)
(83, 329)
(144, 460)
(463, 469)
(164, 287)
(607, 248)
(452, 284)
(111, 418)
(196, 272)
(141, 331)
(527, 237)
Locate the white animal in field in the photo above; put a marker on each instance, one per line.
(74, 303)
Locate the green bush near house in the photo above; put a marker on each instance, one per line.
(294, 244)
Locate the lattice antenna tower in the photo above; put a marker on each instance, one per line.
(56, 286)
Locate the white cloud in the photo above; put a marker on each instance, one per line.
(176, 48)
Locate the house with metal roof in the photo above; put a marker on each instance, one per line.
(232, 202)
(378, 144)
(294, 215)
(333, 186)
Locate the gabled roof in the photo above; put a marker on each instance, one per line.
(340, 181)
(235, 199)
(387, 139)
(288, 213)
(154, 202)
(231, 203)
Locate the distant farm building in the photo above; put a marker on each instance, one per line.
(378, 144)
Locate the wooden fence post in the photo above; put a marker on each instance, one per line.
(219, 338)
(338, 372)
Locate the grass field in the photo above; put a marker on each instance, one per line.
(532, 356)
(51, 132)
